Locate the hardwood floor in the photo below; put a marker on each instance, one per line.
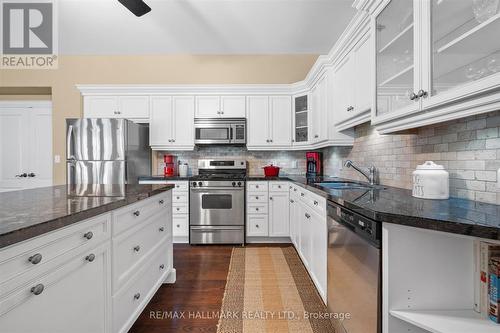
(201, 280)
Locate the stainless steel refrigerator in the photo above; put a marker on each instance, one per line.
(106, 151)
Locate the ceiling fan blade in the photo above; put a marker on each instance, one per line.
(137, 7)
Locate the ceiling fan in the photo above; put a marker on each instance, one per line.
(137, 7)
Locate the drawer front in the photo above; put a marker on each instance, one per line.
(130, 249)
(257, 198)
(179, 198)
(257, 208)
(180, 186)
(180, 225)
(257, 225)
(257, 186)
(317, 203)
(132, 215)
(29, 256)
(278, 187)
(180, 209)
(129, 302)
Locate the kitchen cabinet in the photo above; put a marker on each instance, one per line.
(257, 209)
(435, 61)
(220, 107)
(25, 145)
(352, 85)
(172, 123)
(129, 107)
(319, 110)
(301, 120)
(279, 215)
(269, 122)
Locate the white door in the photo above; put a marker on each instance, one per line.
(208, 107)
(25, 145)
(233, 106)
(101, 107)
(183, 121)
(343, 90)
(305, 235)
(281, 120)
(319, 110)
(258, 121)
(319, 234)
(279, 214)
(133, 107)
(363, 59)
(160, 124)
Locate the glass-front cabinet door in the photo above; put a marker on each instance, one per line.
(397, 61)
(301, 119)
(461, 48)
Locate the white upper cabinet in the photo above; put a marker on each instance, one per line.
(172, 123)
(269, 122)
(301, 120)
(319, 110)
(220, 107)
(441, 57)
(129, 107)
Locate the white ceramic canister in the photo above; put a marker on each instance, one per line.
(183, 170)
(431, 181)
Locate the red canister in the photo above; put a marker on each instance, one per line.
(170, 168)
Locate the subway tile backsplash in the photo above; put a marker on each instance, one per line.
(469, 149)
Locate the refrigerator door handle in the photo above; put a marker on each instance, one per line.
(68, 143)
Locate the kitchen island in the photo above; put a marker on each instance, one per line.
(82, 258)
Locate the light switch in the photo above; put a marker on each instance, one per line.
(57, 159)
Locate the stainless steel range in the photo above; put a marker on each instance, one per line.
(217, 203)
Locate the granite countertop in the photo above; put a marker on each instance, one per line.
(398, 206)
(30, 213)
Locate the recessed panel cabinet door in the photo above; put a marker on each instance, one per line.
(363, 60)
(183, 124)
(233, 106)
(160, 124)
(319, 249)
(281, 120)
(258, 121)
(71, 298)
(208, 107)
(101, 107)
(279, 214)
(134, 107)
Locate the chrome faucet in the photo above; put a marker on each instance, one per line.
(370, 175)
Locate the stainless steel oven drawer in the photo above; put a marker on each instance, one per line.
(217, 235)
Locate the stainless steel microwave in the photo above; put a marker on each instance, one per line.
(212, 131)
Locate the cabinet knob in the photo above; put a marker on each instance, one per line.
(137, 213)
(291, 200)
(162, 266)
(302, 194)
(256, 198)
(22, 175)
(271, 140)
(161, 202)
(90, 257)
(222, 112)
(413, 96)
(178, 226)
(279, 186)
(256, 186)
(137, 296)
(316, 136)
(307, 215)
(31, 175)
(161, 229)
(137, 248)
(315, 203)
(173, 140)
(178, 198)
(257, 226)
(88, 235)
(422, 93)
(257, 209)
(35, 259)
(270, 198)
(38, 289)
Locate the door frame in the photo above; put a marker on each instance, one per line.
(35, 104)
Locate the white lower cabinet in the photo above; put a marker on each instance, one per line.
(86, 278)
(279, 214)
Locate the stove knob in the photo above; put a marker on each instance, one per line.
(233, 183)
(239, 183)
(200, 184)
(194, 184)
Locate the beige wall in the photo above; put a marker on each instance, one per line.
(161, 69)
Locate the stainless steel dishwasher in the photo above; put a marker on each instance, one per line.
(354, 271)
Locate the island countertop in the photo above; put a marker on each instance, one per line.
(29, 213)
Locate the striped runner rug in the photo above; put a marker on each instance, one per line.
(268, 290)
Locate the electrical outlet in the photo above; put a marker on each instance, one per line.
(57, 159)
(295, 164)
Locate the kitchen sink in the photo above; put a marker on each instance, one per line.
(345, 185)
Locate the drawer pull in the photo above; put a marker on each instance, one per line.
(161, 202)
(137, 296)
(307, 215)
(178, 226)
(295, 190)
(302, 194)
(256, 186)
(38, 289)
(178, 209)
(177, 186)
(257, 226)
(88, 235)
(270, 198)
(35, 259)
(315, 203)
(90, 257)
(291, 200)
(137, 248)
(162, 266)
(161, 229)
(279, 186)
(137, 213)
(256, 198)
(178, 198)
(257, 209)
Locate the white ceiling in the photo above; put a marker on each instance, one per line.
(203, 26)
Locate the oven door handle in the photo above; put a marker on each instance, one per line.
(207, 189)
